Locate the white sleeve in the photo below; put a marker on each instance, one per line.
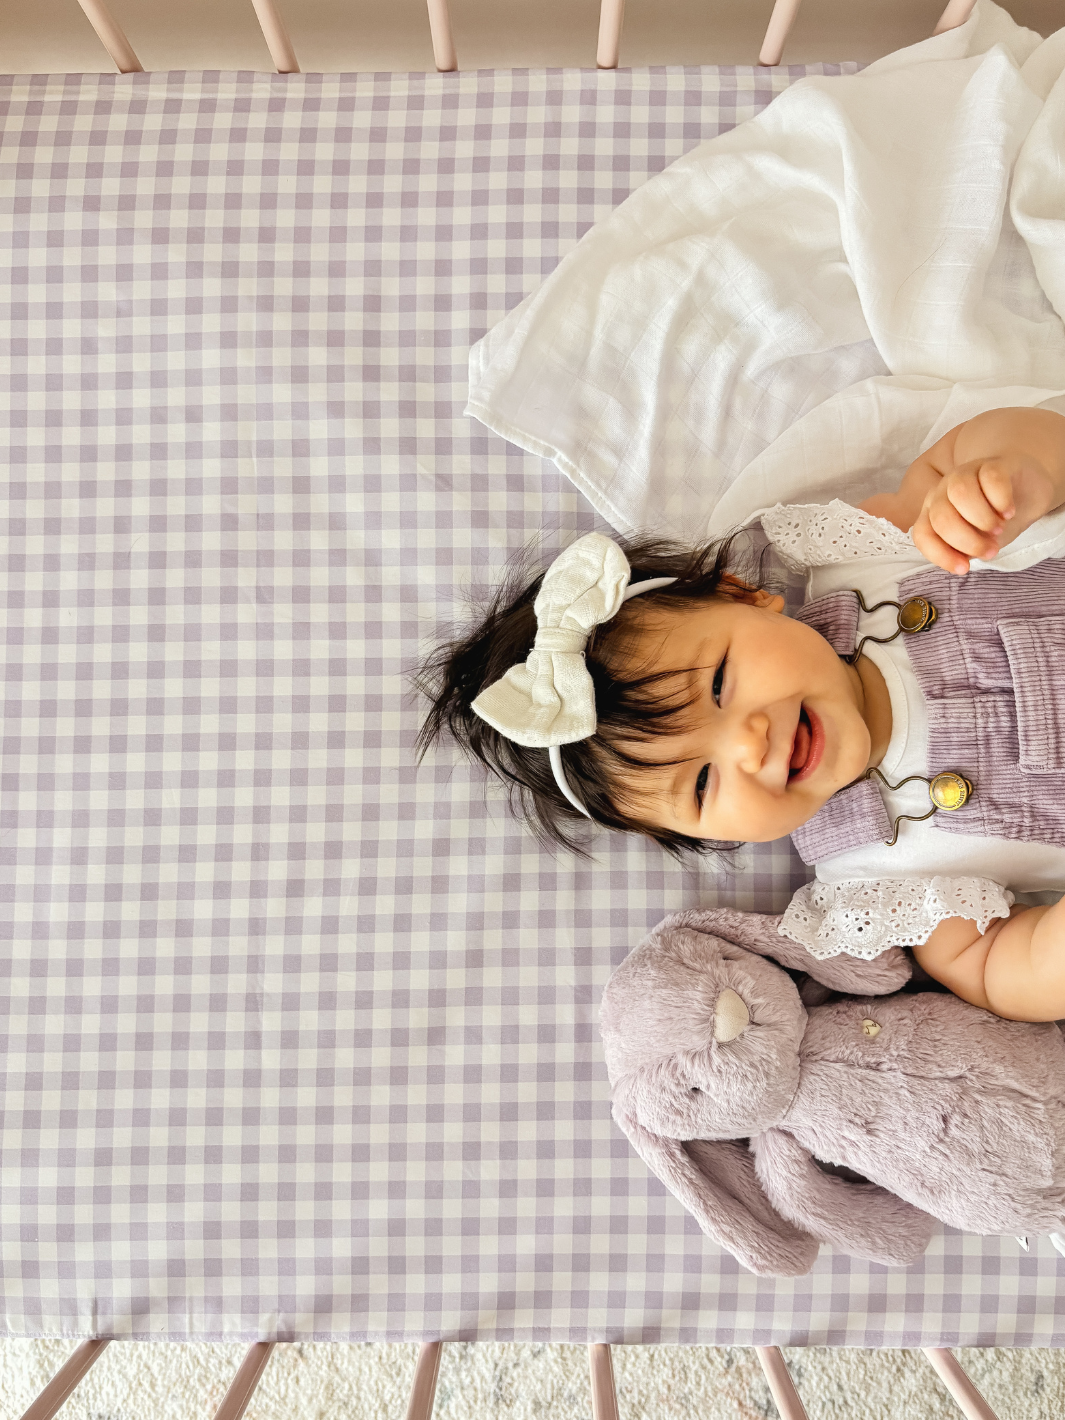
(865, 916)
(821, 534)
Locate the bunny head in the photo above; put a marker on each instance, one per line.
(702, 1036)
(701, 1039)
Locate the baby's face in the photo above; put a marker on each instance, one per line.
(776, 728)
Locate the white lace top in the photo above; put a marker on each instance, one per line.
(819, 534)
(865, 917)
(873, 897)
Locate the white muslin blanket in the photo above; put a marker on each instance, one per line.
(799, 306)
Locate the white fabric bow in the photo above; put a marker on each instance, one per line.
(550, 700)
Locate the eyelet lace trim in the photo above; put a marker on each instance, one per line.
(817, 534)
(865, 917)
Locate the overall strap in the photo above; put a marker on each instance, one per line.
(835, 617)
(969, 636)
(855, 815)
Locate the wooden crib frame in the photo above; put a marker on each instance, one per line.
(611, 15)
(423, 1391)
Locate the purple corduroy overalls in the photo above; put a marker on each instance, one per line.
(992, 671)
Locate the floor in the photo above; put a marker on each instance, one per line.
(347, 35)
(133, 1380)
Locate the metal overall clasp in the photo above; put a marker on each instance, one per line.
(948, 791)
(914, 615)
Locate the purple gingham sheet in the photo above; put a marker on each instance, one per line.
(298, 1039)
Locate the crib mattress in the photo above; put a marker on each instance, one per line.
(299, 1036)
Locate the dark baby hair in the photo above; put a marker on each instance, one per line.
(627, 709)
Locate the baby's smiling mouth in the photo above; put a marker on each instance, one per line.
(807, 746)
(800, 746)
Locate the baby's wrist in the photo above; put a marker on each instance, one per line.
(890, 507)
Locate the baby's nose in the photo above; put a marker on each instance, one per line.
(752, 741)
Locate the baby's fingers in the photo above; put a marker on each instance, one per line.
(963, 489)
(996, 484)
(957, 532)
(938, 552)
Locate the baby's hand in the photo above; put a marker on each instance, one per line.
(978, 507)
(959, 506)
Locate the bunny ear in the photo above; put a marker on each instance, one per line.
(860, 1218)
(717, 1183)
(759, 932)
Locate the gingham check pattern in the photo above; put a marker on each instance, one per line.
(298, 1038)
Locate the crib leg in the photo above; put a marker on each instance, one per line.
(780, 23)
(111, 37)
(63, 1382)
(242, 1386)
(423, 1391)
(276, 36)
(956, 13)
(965, 1395)
(604, 1391)
(781, 1385)
(611, 14)
(444, 55)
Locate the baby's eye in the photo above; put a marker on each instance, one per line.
(700, 784)
(719, 680)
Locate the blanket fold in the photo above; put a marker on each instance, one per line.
(892, 239)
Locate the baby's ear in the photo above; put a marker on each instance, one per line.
(741, 591)
(767, 601)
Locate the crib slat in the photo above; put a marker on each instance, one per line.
(242, 1386)
(780, 23)
(781, 1385)
(423, 1390)
(444, 55)
(276, 36)
(110, 35)
(604, 1391)
(964, 1394)
(611, 15)
(956, 13)
(62, 1384)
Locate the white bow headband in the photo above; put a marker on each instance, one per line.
(550, 700)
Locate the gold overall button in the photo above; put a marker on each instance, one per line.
(917, 614)
(950, 791)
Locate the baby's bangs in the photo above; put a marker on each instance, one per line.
(605, 770)
(641, 709)
(605, 773)
(629, 713)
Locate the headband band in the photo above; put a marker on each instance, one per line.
(549, 700)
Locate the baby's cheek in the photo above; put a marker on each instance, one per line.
(775, 820)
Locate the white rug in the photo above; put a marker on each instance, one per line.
(134, 1380)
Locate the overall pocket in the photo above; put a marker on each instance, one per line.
(1036, 652)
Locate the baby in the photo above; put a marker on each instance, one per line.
(654, 690)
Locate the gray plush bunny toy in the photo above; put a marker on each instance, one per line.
(736, 1095)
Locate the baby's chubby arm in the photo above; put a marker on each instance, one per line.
(980, 486)
(1015, 969)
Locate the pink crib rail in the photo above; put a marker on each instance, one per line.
(611, 15)
(113, 39)
(63, 1383)
(423, 1391)
(234, 1402)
